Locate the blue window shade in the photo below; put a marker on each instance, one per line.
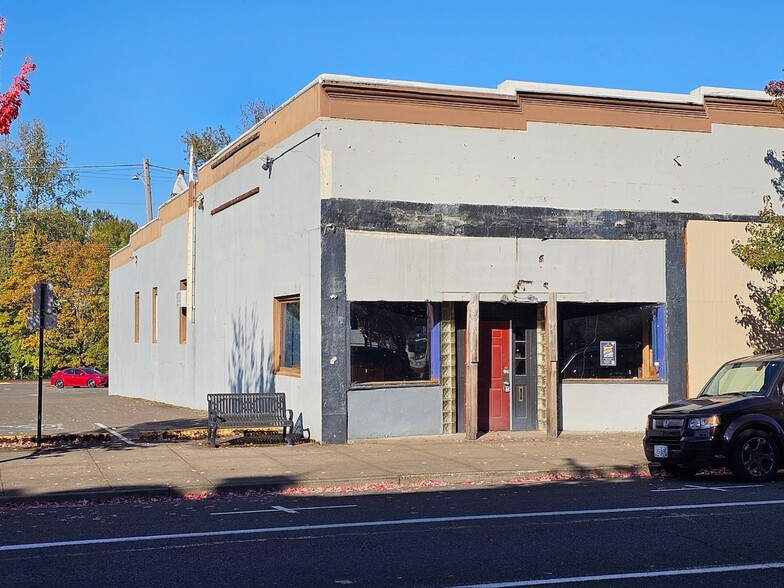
(435, 343)
(657, 328)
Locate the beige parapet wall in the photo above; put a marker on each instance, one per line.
(512, 107)
(723, 320)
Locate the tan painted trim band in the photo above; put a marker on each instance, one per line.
(580, 110)
(421, 106)
(234, 150)
(730, 111)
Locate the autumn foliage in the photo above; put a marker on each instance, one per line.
(79, 273)
(775, 89)
(12, 99)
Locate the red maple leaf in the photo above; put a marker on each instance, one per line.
(12, 99)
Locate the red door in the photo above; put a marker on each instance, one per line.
(493, 398)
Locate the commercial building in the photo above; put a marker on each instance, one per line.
(414, 259)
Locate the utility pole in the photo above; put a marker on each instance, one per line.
(147, 188)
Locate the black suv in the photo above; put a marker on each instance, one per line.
(737, 421)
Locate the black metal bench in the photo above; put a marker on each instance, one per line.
(248, 410)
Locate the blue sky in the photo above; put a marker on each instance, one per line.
(121, 81)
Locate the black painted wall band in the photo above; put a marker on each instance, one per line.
(471, 220)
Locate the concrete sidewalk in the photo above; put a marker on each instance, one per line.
(176, 468)
(98, 446)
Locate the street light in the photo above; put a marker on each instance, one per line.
(145, 178)
(147, 186)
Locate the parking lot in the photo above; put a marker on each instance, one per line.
(87, 410)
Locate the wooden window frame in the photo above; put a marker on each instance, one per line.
(279, 310)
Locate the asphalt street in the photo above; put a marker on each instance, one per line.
(640, 532)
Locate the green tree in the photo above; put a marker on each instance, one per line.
(764, 250)
(79, 274)
(252, 112)
(34, 178)
(205, 143)
(46, 236)
(20, 346)
(209, 141)
(113, 232)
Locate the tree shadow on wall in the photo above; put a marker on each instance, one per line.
(761, 333)
(250, 366)
(777, 164)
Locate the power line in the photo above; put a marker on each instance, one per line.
(108, 166)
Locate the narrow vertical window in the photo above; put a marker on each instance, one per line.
(155, 315)
(287, 341)
(183, 309)
(136, 317)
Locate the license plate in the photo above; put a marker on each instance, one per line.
(660, 451)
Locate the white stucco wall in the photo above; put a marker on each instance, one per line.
(554, 165)
(246, 255)
(610, 406)
(424, 267)
(157, 371)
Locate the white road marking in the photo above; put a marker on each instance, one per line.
(56, 427)
(631, 576)
(690, 487)
(388, 523)
(114, 433)
(282, 509)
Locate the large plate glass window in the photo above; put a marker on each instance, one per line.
(391, 341)
(611, 341)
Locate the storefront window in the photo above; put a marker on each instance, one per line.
(609, 341)
(390, 341)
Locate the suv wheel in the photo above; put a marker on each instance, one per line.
(679, 471)
(755, 456)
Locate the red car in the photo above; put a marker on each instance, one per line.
(77, 377)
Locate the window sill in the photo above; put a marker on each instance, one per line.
(401, 384)
(292, 372)
(611, 380)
